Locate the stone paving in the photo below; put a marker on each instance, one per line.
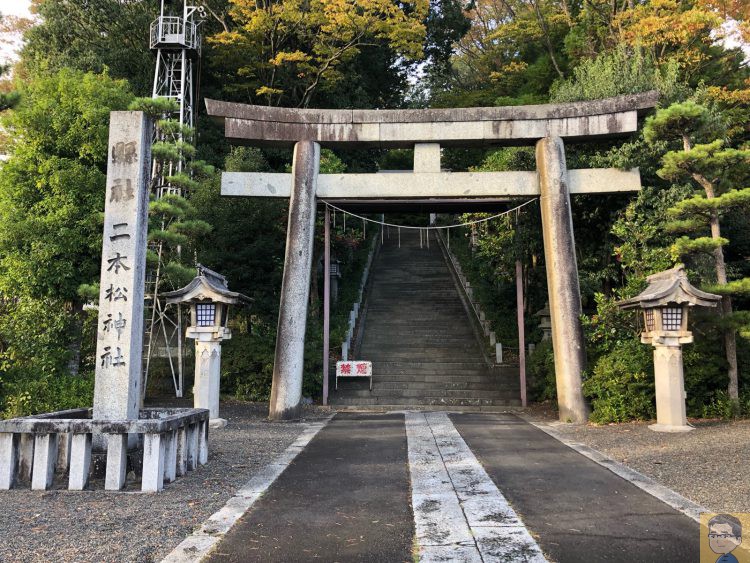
(458, 510)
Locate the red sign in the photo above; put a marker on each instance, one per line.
(354, 369)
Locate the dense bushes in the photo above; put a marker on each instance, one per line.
(22, 395)
(621, 384)
(51, 202)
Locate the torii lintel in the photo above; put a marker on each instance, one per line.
(509, 125)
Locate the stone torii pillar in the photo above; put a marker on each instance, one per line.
(286, 388)
(427, 131)
(562, 278)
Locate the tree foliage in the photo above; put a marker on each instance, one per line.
(51, 205)
(287, 49)
(95, 35)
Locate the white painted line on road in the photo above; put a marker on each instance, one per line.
(459, 513)
(197, 546)
(665, 494)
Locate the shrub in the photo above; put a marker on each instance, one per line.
(540, 371)
(23, 396)
(621, 384)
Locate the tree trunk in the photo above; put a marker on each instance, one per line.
(730, 335)
(547, 41)
(314, 285)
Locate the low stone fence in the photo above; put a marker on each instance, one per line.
(32, 448)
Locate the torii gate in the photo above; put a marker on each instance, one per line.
(427, 131)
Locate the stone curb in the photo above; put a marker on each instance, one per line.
(665, 494)
(197, 546)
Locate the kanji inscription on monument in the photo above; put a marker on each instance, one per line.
(120, 327)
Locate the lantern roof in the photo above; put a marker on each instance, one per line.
(207, 286)
(670, 286)
(544, 312)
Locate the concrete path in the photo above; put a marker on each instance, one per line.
(462, 487)
(579, 510)
(344, 498)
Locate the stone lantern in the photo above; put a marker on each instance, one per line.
(545, 322)
(665, 303)
(335, 273)
(209, 299)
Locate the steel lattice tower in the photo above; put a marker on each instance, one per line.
(176, 41)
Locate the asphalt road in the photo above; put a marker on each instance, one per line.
(577, 510)
(346, 497)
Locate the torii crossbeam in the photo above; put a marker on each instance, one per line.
(427, 131)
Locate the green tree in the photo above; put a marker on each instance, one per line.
(95, 35)
(52, 197)
(174, 228)
(717, 171)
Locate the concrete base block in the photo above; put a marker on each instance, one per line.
(192, 446)
(181, 466)
(63, 452)
(80, 461)
(117, 458)
(8, 459)
(217, 423)
(669, 428)
(170, 456)
(45, 458)
(203, 441)
(153, 463)
(25, 457)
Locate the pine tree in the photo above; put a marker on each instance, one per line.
(717, 171)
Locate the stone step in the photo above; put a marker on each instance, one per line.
(439, 355)
(429, 366)
(516, 407)
(419, 393)
(395, 402)
(436, 378)
(399, 333)
(408, 342)
(462, 383)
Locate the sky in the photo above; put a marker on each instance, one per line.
(12, 8)
(15, 7)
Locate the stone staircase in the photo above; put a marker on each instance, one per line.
(420, 340)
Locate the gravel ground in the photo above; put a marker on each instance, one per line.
(101, 526)
(708, 465)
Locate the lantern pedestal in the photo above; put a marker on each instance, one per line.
(208, 370)
(670, 383)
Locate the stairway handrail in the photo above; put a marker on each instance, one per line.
(456, 269)
(358, 311)
(464, 296)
